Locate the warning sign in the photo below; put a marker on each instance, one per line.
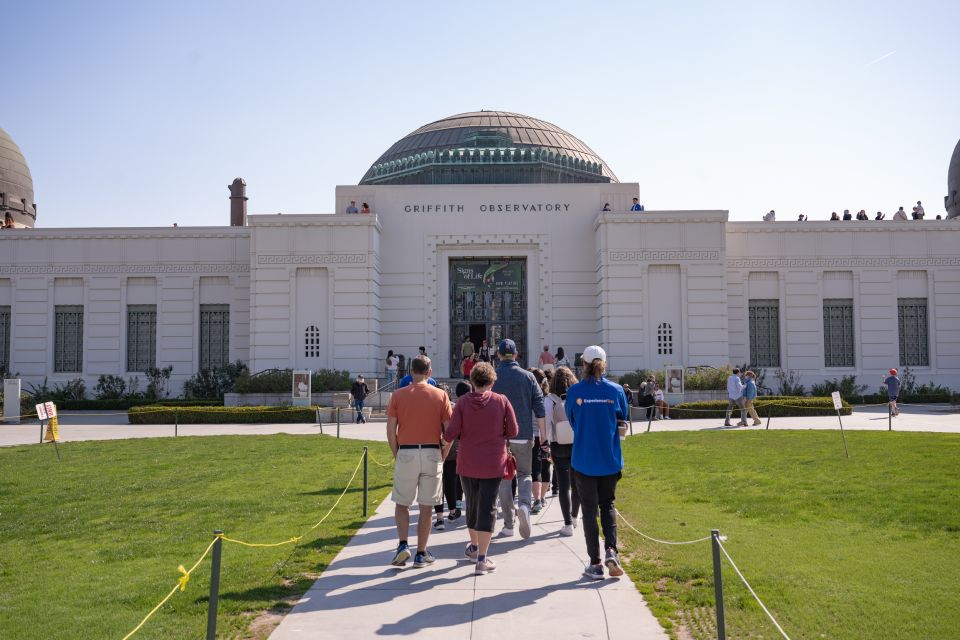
(837, 404)
(52, 433)
(41, 412)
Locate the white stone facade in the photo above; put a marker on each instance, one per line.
(336, 291)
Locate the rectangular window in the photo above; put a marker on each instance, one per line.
(68, 339)
(141, 337)
(5, 339)
(912, 320)
(838, 332)
(214, 335)
(765, 333)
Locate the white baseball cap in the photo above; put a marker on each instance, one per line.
(593, 352)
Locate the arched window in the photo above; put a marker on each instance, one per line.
(311, 342)
(665, 339)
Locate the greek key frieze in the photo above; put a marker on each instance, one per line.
(648, 255)
(68, 269)
(848, 261)
(327, 258)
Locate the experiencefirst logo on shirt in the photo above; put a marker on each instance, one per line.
(506, 207)
(594, 401)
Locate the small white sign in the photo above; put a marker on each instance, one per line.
(837, 404)
(301, 388)
(42, 412)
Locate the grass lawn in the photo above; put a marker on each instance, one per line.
(843, 549)
(88, 546)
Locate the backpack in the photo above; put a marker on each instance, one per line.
(562, 431)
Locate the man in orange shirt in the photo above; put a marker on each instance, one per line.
(416, 417)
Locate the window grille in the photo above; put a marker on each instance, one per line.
(311, 342)
(764, 321)
(141, 337)
(214, 335)
(838, 348)
(912, 320)
(68, 339)
(4, 338)
(665, 339)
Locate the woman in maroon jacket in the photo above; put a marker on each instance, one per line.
(483, 421)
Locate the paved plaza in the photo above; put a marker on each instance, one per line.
(75, 426)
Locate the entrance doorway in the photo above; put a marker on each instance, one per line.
(488, 300)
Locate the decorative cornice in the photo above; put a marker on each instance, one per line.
(70, 269)
(842, 261)
(648, 255)
(334, 258)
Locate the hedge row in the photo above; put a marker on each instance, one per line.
(775, 406)
(156, 414)
(127, 403)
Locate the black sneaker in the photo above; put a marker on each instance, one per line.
(454, 515)
(613, 564)
(594, 572)
(438, 524)
(401, 556)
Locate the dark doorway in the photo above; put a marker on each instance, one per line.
(478, 333)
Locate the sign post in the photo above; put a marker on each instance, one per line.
(301, 388)
(11, 401)
(838, 404)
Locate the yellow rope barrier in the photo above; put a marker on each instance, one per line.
(374, 461)
(181, 585)
(296, 539)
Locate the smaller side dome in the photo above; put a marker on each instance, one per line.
(16, 184)
(952, 200)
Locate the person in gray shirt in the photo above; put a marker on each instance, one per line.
(523, 392)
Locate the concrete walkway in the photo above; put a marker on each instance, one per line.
(76, 426)
(537, 590)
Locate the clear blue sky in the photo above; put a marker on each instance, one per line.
(141, 113)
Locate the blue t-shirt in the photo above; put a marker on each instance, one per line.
(749, 389)
(408, 379)
(893, 386)
(593, 408)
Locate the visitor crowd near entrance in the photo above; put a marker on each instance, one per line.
(497, 444)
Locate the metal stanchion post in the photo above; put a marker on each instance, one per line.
(718, 583)
(338, 422)
(366, 455)
(176, 422)
(889, 417)
(214, 586)
(768, 419)
(649, 419)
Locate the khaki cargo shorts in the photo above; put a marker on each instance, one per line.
(417, 477)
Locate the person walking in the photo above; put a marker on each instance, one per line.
(452, 487)
(561, 359)
(735, 399)
(359, 391)
(483, 422)
(749, 394)
(540, 465)
(560, 436)
(547, 359)
(484, 351)
(416, 417)
(595, 409)
(526, 398)
(893, 391)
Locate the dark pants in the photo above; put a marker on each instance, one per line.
(569, 501)
(540, 469)
(359, 405)
(452, 491)
(480, 496)
(647, 403)
(598, 492)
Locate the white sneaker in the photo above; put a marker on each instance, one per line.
(566, 530)
(523, 515)
(667, 418)
(576, 522)
(505, 533)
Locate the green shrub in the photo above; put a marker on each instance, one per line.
(776, 406)
(209, 384)
(847, 386)
(75, 389)
(281, 381)
(157, 414)
(789, 383)
(110, 387)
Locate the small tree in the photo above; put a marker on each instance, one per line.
(110, 387)
(158, 381)
(790, 383)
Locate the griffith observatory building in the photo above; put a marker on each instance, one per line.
(483, 225)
